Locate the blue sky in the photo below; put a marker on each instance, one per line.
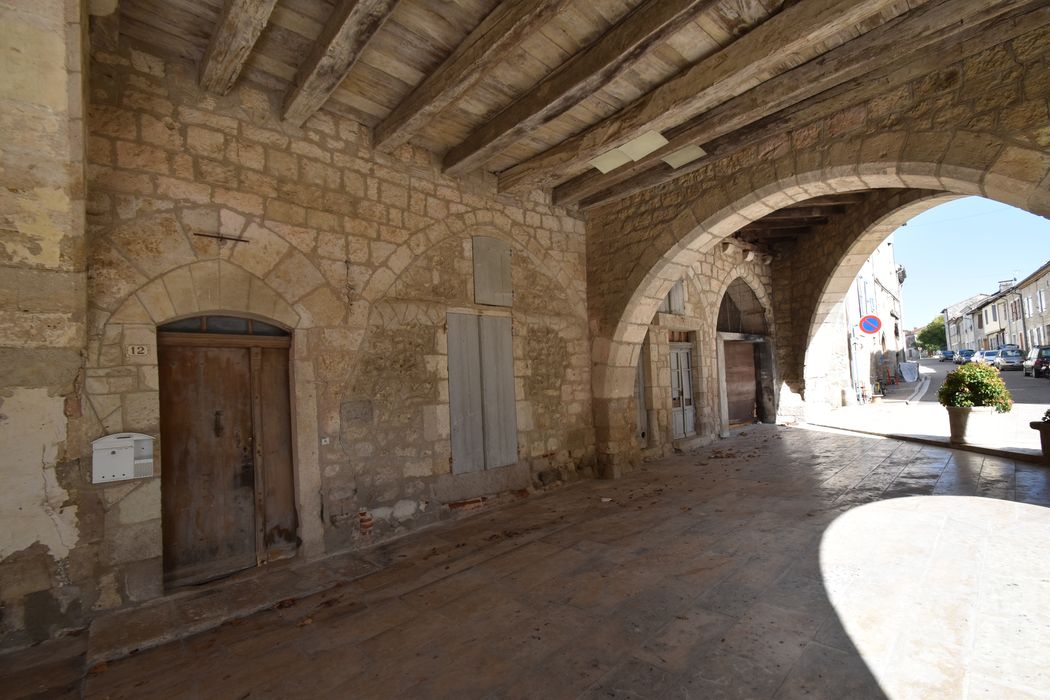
(963, 247)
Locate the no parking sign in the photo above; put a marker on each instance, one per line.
(870, 324)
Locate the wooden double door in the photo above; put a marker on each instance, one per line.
(227, 487)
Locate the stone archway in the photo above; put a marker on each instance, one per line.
(821, 371)
(122, 389)
(744, 323)
(621, 313)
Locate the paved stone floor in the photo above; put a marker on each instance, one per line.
(782, 562)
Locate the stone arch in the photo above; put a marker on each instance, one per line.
(747, 294)
(482, 222)
(866, 232)
(743, 276)
(998, 170)
(396, 445)
(123, 390)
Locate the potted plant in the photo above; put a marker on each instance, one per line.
(1043, 426)
(973, 388)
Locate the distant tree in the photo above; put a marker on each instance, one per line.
(932, 337)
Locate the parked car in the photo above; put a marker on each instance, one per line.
(984, 357)
(1037, 362)
(963, 356)
(1008, 358)
(945, 355)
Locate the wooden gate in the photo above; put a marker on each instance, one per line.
(741, 382)
(227, 490)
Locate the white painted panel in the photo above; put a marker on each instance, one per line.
(492, 276)
(497, 386)
(683, 413)
(464, 394)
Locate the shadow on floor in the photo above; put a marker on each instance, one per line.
(703, 575)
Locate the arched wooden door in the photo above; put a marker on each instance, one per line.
(227, 492)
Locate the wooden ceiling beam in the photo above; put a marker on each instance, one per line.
(908, 66)
(239, 27)
(794, 34)
(586, 72)
(503, 28)
(917, 30)
(346, 34)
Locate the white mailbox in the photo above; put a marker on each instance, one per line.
(121, 456)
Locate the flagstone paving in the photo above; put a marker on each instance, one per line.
(780, 563)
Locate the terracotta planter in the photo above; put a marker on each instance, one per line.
(961, 422)
(1044, 437)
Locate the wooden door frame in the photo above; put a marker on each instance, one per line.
(254, 344)
(765, 377)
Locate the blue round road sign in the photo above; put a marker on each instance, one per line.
(870, 324)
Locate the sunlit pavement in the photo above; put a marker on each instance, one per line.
(945, 596)
(924, 418)
(782, 562)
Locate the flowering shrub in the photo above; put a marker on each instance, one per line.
(976, 385)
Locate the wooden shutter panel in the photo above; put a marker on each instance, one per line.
(497, 384)
(464, 394)
(492, 277)
(676, 298)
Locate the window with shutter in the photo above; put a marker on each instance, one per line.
(676, 298)
(492, 272)
(481, 392)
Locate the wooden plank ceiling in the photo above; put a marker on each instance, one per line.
(533, 90)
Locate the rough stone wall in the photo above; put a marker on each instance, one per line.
(359, 254)
(979, 126)
(42, 313)
(395, 408)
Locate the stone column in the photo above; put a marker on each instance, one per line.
(613, 377)
(42, 308)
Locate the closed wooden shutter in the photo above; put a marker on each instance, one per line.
(464, 394)
(492, 274)
(482, 407)
(676, 298)
(497, 385)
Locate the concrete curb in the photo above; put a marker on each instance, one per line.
(920, 390)
(1025, 456)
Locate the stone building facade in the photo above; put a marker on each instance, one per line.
(359, 255)
(131, 199)
(872, 358)
(1032, 301)
(960, 324)
(694, 325)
